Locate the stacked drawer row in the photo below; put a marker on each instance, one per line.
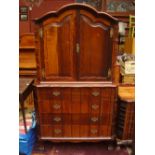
(76, 112)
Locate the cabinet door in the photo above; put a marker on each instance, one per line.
(95, 51)
(59, 44)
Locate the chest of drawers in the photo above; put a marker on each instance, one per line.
(76, 110)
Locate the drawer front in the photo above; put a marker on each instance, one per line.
(108, 101)
(51, 131)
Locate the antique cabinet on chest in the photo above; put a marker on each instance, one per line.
(75, 96)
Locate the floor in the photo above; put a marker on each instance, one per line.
(79, 149)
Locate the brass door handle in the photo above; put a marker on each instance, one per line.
(95, 93)
(94, 119)
(57, 131)
(56, 106)
(94, 106)
(56, 93)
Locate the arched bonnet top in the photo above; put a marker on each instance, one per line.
(76, 6)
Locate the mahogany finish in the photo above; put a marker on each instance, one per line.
(80, 111)
(86, 38)
(75, 96)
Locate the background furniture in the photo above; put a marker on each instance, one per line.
(75, 94)
(27, 59)
(126, 113)
(25, 88)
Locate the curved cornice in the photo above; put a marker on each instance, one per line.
(75, 6)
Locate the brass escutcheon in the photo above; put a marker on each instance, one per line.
(56, 106)
(57, 131)
(94, 106)
(95, 93)
(94, 131)
(57, 119)
(56, 93)
(94, 119)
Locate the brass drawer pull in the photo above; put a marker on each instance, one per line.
(95, 93)
(94, 106)
(57, 131)
(93, 131)
(57, 119)
(94, 119)
(56, 93)
(56, 106)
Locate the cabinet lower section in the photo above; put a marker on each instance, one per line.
(75, 113)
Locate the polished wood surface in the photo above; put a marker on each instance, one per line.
(91, 65)
(126, 93)
(76, 112)
(27, 58)
(87, 38)
(75, 93)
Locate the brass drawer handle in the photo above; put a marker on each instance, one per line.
(56, 93)
(94, 106)
(57, 131)
(57, 119)
(93, 131)
(94, 119)
(95, 93)
(56, 106)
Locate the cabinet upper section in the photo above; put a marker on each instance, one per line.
(76, 43)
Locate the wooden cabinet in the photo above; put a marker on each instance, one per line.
(76, 110)
(77, 44)
(75, 96)
(93, 66)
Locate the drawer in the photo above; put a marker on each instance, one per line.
(50, 106)
(43, 94)
(105, 130)
(51, 119)
(47, 93)
(51, 131)
(80, 119)
(108, 93)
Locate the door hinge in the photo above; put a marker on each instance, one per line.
(77, 47)
(40, 33)
(43, 73)
(111, 32)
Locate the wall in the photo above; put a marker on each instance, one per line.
(37, 11)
